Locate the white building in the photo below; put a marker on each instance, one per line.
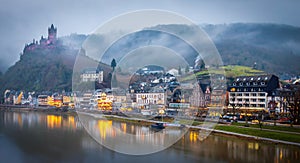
(92, 75)
(145, 99)
(252, 92)
(173, 71)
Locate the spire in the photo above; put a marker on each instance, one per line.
(52, 32)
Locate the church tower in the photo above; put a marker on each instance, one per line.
(52, 32)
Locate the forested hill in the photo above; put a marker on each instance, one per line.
(274, 48)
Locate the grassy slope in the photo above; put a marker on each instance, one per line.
(261, 133)
(231, 71)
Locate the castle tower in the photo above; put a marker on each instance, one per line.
(52, 32)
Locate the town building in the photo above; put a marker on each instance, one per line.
(200, 96)
(154, 97)
(92, 75)
(252, 92)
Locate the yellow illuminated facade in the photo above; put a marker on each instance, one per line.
(104, 103)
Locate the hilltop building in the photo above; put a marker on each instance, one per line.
(92, 74)
(49, 42)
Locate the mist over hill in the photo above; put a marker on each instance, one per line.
(274, 48)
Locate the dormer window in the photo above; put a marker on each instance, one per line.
(238, 79)
(266, 78)
(258, 78)
(251, 78)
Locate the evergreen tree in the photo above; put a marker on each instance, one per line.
(113, 64)
(187, 68)
(179, 70)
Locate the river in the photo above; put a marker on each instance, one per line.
(42, 137)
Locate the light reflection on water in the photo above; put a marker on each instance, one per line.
(36, 137)
(130, 138)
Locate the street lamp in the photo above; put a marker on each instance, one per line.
(161, 112)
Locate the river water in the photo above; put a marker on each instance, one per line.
(41, 137)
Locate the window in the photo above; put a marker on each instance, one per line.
(254, 83)
(262, 100)
(262, 83)
(248, 84)
(234, 84)
(241, 84)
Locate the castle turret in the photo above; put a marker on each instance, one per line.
(52, 32)
(43, 41)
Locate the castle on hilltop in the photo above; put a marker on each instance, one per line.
(50, 42)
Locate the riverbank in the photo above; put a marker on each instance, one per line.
(274, 134)
(49, 110)
(268, 135)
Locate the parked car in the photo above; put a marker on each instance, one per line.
(284, 120)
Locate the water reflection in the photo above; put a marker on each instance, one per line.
(54, 121)
(35, 119)
(104, 128)
(130, 138)
(39, 137)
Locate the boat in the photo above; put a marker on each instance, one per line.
(159, 126)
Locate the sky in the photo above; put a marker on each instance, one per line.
(21, 21)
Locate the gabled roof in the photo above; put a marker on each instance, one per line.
(252, 81)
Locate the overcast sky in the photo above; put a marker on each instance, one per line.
(23, 20)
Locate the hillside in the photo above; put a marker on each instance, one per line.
(274, 49)
(41, 70)
(231, 71)
(45, 70)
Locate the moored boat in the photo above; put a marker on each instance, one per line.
(157, 126)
